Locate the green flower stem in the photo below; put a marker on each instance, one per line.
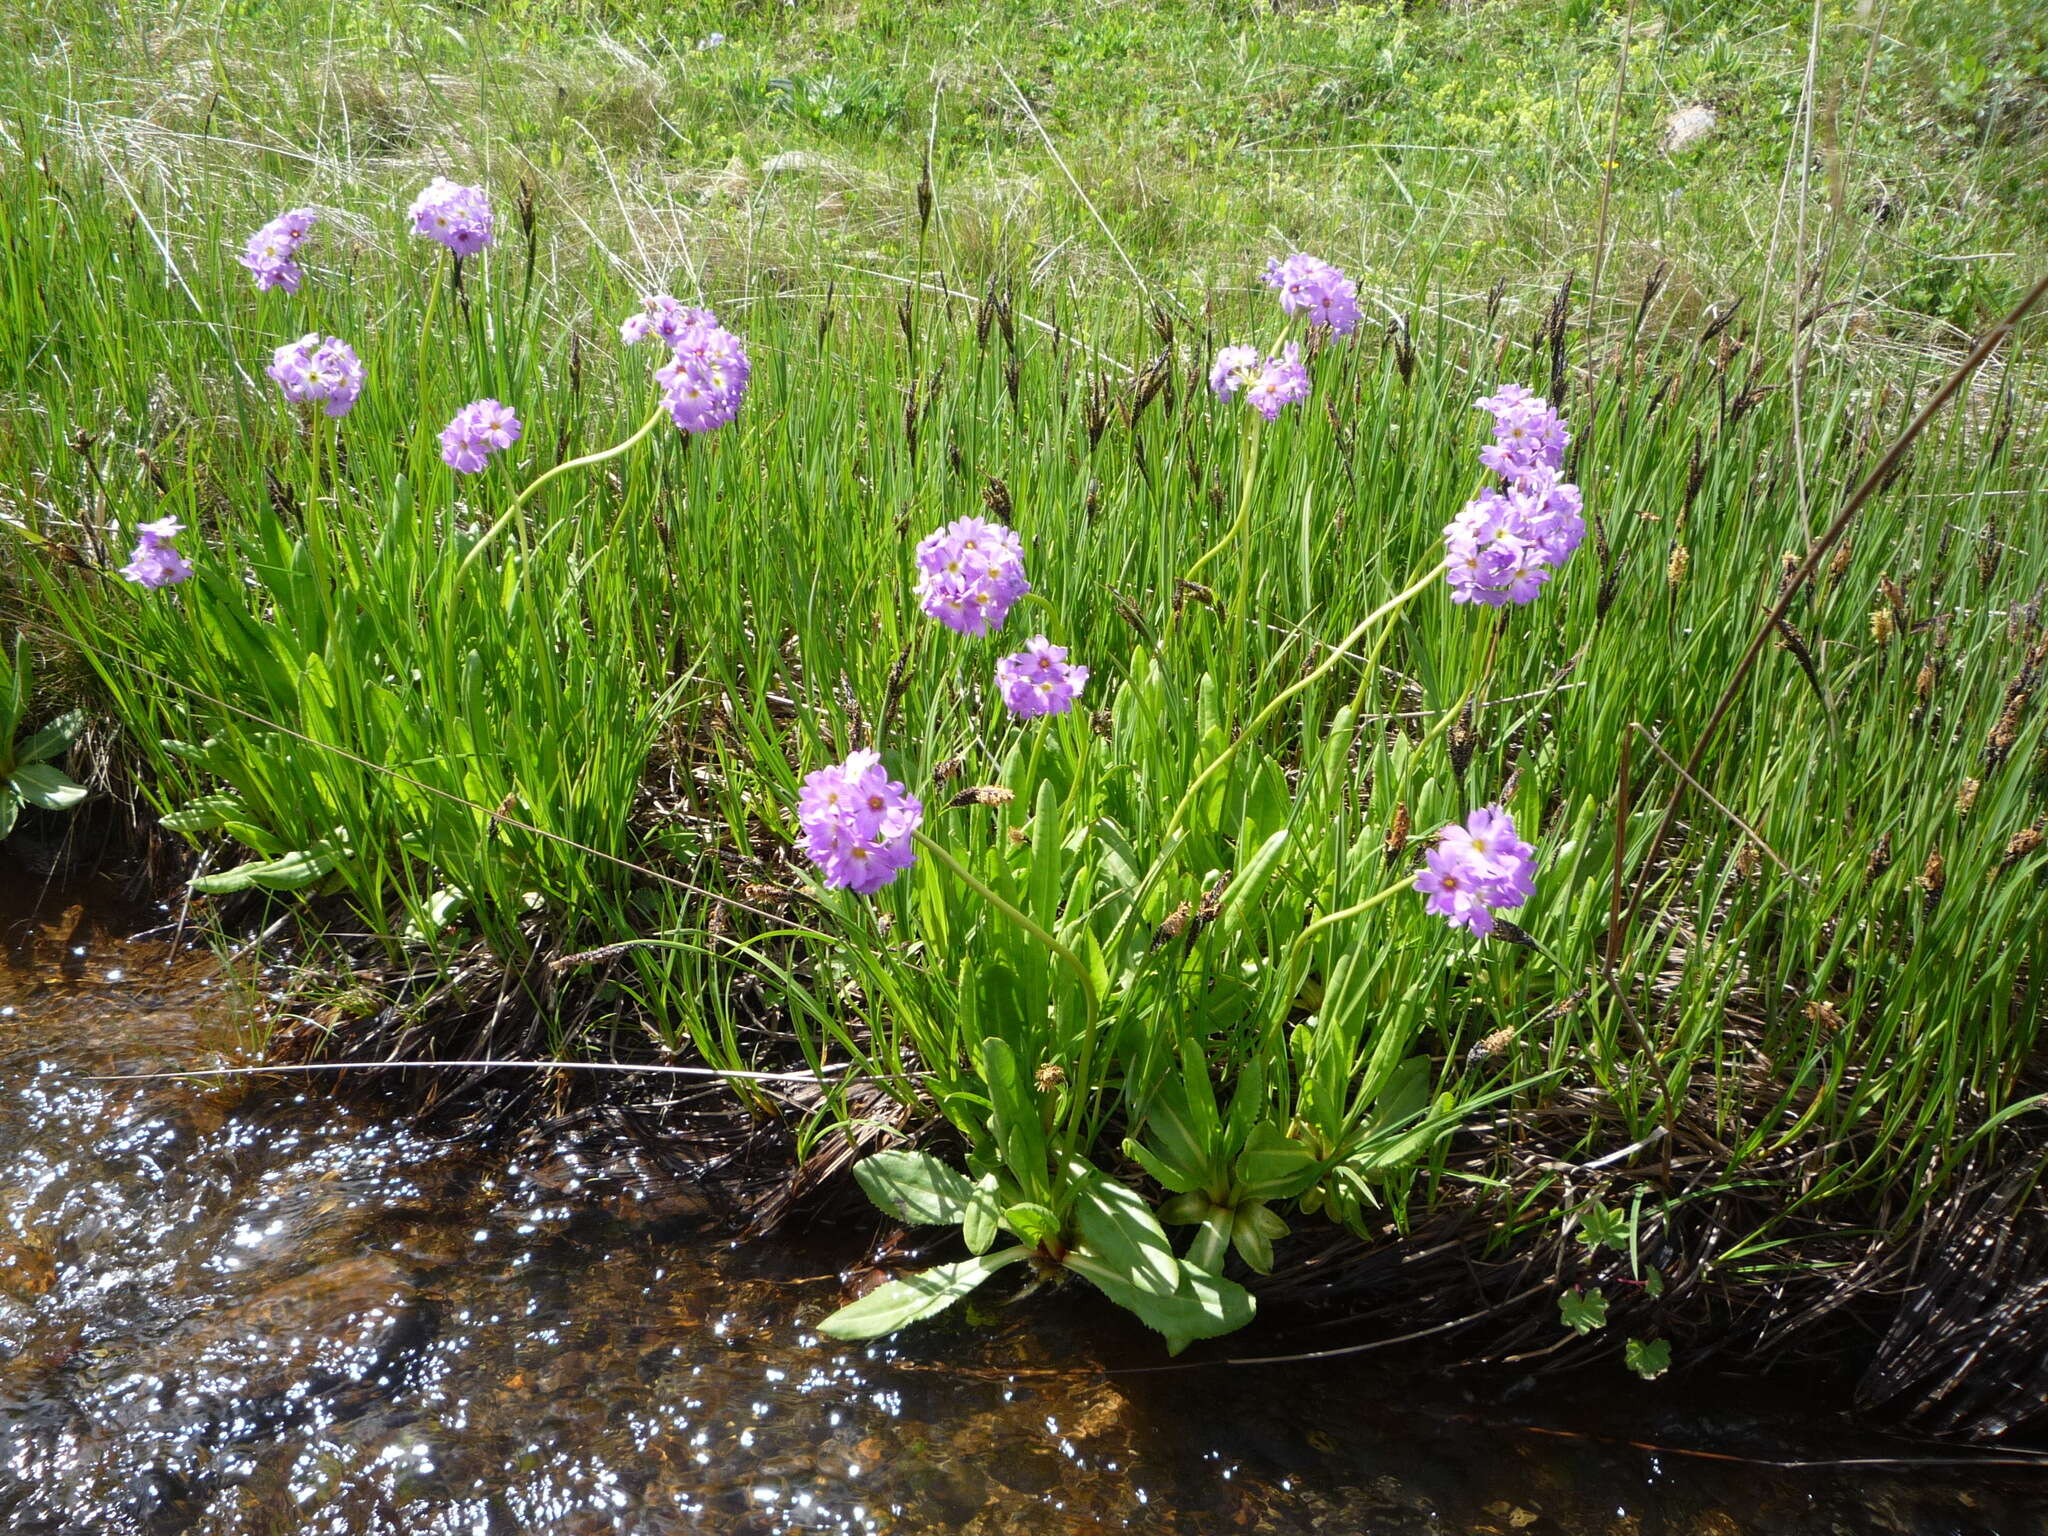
(519, 502)
(1298, 952)
(1388, 609)
(1244, 499)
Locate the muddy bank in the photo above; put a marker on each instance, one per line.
(253, 1309)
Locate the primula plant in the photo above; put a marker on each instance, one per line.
(1087, 1000)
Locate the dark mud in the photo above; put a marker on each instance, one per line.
(262, 1309)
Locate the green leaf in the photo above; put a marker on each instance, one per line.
(978, 1222)
(914, 1187)
(1033, 1223)
(1600, 1227)
(1019, 1132)
(287, 872)
(1582, 1311)
(1171, 1177)
(52, 738)
(40, 784)
(1185, 1210)
(1119, 1227)
(10, 808)
(1248, 1237)
(1653, 1281)
(1251, 881)
(1202, 1307)
(1212, 1243)
(207, 813)
(1648, 1358)
(889, 1307)
(1273, 1166)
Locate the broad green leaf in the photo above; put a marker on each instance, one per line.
(1168, 1174)
(1033, 1223)
(50, 788)
(288, 872)
(1203, 1307)
(1582, 1311)
(1251, 881)
(1648, 1358)
(1212, 1242)
(1119, 1227)
(52, 738)
(206, 813)
(914, 1187)
(1653, 1281)
(978, 1222)
(889, 1307)
(1248, 1237)
(10, 808)
(1019, 1132)
(1273, 1166)
(1600, 1227)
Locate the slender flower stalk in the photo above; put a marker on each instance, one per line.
(533, 486)
(1386, 610)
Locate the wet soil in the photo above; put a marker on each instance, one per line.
(254, 1308)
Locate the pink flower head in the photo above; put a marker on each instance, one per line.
(155, 564)
(1312, 287)
(1283, 381)
(1235, 369)
(314, 368)
(479, 430)
(1039, 680)
(1506, 543)
(270, 251)
(969, 573)
(457, 216)
(857, 824)
(665, 318)
(1477, 869)
(705, 378)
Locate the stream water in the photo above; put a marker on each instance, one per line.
(259, 1309)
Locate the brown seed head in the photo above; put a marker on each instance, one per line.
(1825, 1015)
(1933, 877)
(1397, 834)
(1674, 571)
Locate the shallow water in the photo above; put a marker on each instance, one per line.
(253, 1309)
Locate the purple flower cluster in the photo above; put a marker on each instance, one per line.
(270, 251)
(665, 318)
(706, 375)
(1504, 544)
(457, 216)
(857, 824)
(1316, 289)
(1267, 383)
(1477, 869)
(155, 563)
(969, 573)
(1039, 680)
(313, 368)
(479, 430)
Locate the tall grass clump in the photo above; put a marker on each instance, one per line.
(1061, 724)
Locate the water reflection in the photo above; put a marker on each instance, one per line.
(247, 1309)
